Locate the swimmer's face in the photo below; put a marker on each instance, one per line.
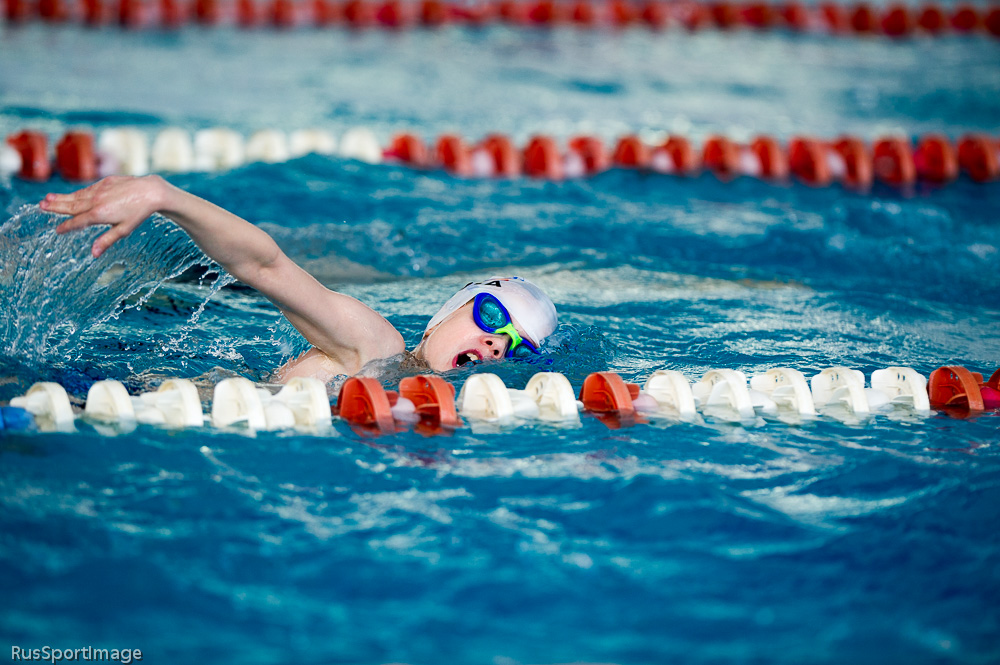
(457, 341)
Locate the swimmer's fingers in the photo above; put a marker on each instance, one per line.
(114, 234)
(69, 204)
(78, 222)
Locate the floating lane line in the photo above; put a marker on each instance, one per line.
(894, 20)
(427, 404)
(897, 161)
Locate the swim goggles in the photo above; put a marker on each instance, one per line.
(492, 317)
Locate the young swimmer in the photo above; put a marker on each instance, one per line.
(501, 317)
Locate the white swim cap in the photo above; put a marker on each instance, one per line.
(534, 312)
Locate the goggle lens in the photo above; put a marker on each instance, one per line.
(492, 315)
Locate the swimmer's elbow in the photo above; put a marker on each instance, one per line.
(266, 269)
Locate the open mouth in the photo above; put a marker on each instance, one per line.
(467, 357)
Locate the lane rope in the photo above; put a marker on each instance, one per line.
(428, 403)
(80, 156)
(895, 20)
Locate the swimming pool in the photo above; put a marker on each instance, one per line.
(834, 542)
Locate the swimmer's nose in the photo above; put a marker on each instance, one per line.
(495, 346)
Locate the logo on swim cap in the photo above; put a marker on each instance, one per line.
(532, 310)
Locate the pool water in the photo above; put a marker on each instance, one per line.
(873, 541)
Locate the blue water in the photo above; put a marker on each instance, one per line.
(867, 542)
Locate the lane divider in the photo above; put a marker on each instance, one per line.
(79, 156)
(896, 20)
(427, 404)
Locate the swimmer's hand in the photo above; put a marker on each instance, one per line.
(121, 202)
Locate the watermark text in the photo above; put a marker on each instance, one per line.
(82, 654)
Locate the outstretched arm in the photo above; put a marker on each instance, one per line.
(344, 328)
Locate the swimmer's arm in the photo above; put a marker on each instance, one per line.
(340, 326)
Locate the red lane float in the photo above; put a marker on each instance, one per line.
(933, 19)
(759, 15)
(807, 161)
(408, 149)
(795, 16)
(34, 150)
(434, 400)
(857, 162)
(992, 22)
(862, 19)
(591, 152)
(76, 158)
(892, 160)
(676, 156)
(771, 158)
(955, 386)
(897, 21)
(691, 15)
(979, 156)
(724, 15)
(364, 404)
(247, 15)
(452, 153)
(358, 13)
(206, 12)
(53, 11)
(631, 152)
(722, 157)
(966, 18)
(324, 12)
(583, 13)
(505, 158)
(542, 159)
(396, 14)
(936, 159)
(655, 14)
(609, 398)
(835, 17)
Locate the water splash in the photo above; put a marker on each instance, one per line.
(52, 290)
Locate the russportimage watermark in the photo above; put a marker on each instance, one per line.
(79, 654)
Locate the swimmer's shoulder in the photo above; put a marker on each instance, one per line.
(316, 364)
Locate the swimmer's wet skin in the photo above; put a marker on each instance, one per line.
(500, 317)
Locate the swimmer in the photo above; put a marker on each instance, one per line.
(499, 318)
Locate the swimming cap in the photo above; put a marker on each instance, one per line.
(528, 304)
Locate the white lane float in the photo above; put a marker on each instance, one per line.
(904, 386)
(218, 149)
(360, 143)
(787, 389)
(301, 403)
(49, 404)
(548, 396)
(10, 160)
(840, 388)
(173, 151)
(109, 402)
(311, 141)
(123, 151)
(672, 393)
(174, 404)
(723, 394)
(269, 146)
